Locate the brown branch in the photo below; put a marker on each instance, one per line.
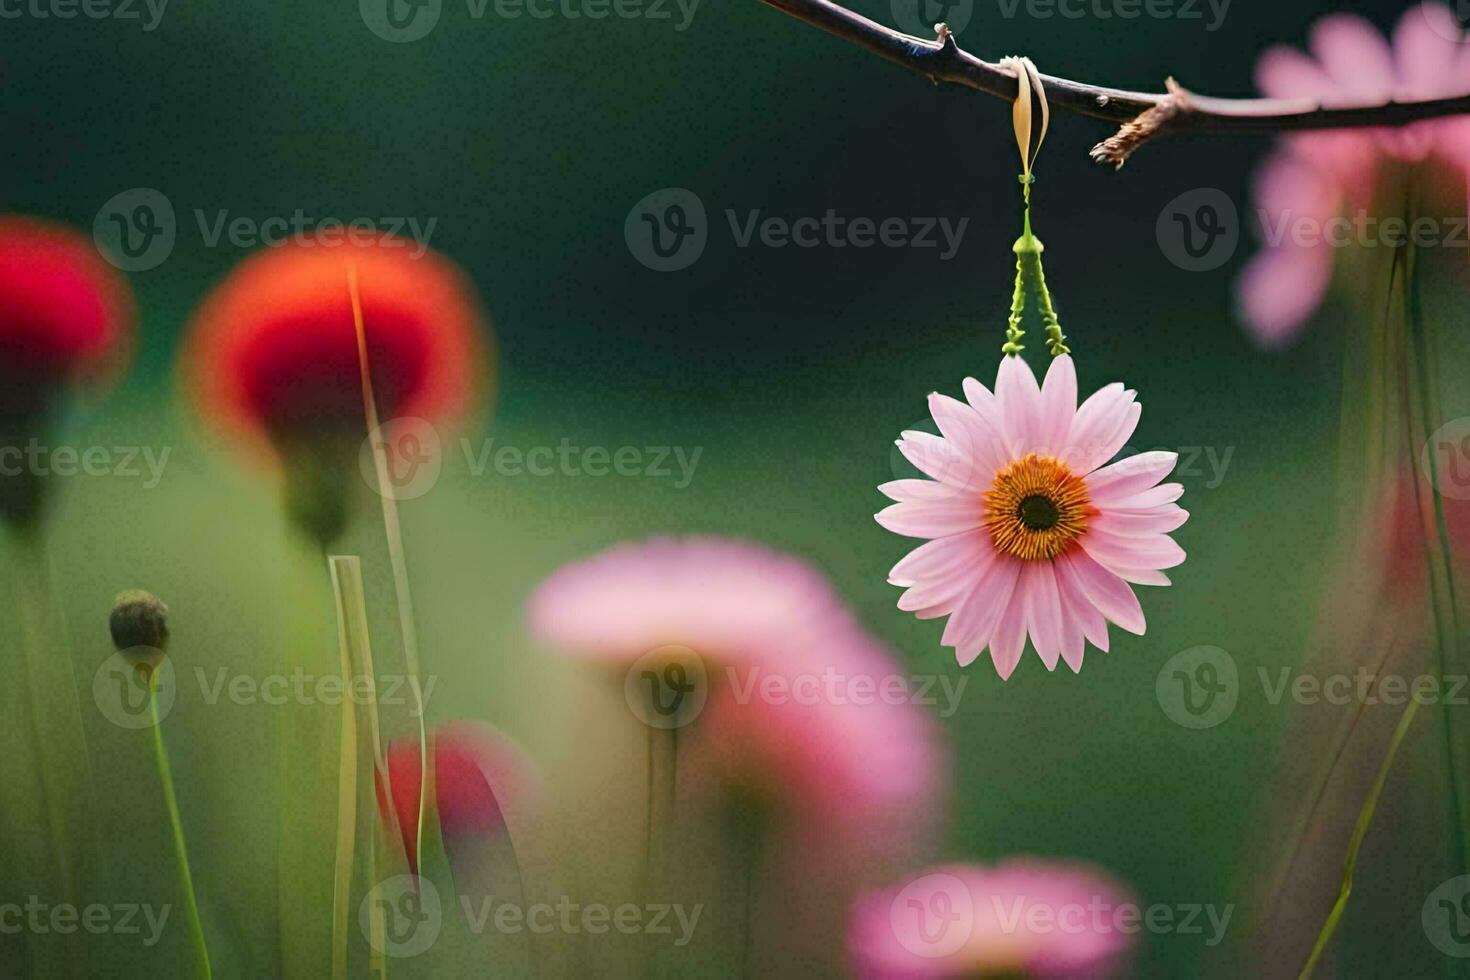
(1142, 115)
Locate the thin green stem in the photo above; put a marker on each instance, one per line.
(1028, 249)
(181, 850)
(1355, 843)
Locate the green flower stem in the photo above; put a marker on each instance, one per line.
(1355, 843)
(1028, 249)
(181, 851)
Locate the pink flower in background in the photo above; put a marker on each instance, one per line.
(810, 738)
(1027, 917)
(729, 600)
(860, 763)
(1321, 176)
(1031, 532)
(480, 779)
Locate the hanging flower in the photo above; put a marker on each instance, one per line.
(1027, 917)
(272, 357)
(66, 317)
(481, 782)
(1031, 533)
(1332, 183)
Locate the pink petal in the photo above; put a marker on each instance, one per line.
(970, 628)
(1109, 593)
(932, 518)
(924, 490)
(938, 558)
(982, 401)
(940, 459)
(1058, 405)
(973, 438)
(1074, 638)
(1425, 53)
(1125, 478)
(1127, 524)
(1154, 551)
(1279, 290)
(1019, 400)
(1355, 56)
(1043, 611)
(1094, 626)
(1150, 499)
(1145, 576)
(937, 597)
(1284, 73)
(1092, 431)
(1009, 638)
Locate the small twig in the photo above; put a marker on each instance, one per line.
(1142, 115)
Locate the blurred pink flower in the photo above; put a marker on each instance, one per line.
(1027, 917)
(1318, 176)
(834, 752)
(728, 600)
(480, 780)
(1031, 532)
(1410, 535)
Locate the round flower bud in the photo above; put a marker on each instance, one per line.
(139, 625)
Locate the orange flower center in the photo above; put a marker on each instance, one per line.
(1036, 508)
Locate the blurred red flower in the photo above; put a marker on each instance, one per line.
(479, 775)
(272, 358)
(66, 317)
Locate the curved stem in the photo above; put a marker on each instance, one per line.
(1355, 843)
(181, 851)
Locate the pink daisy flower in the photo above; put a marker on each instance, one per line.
(1028, 917)
(1322, 176)
(1030, 532)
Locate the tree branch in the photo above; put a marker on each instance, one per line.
(1142, 115)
